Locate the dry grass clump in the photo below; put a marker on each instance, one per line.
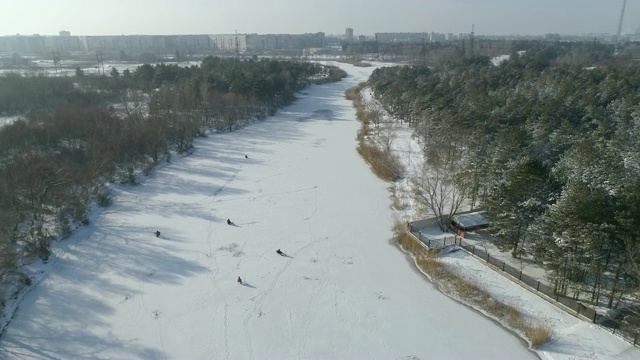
(470, 291)
(431, 265)
(361, 64)
(354, 62)
(352, 94)
(383, 163)
(362, 116)
(513, 314)
(406, 241)
(425, 259)
(537, 333)
(363, 133)
(453, 284)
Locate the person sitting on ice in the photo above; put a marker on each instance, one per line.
(229, 222)
(246, 156)
(157, 233)
(280, 252)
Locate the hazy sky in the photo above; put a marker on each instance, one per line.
(115, 17)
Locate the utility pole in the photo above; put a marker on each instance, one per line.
(237, 46)
(471, 40)
(102, 61)
(624, 4)
(98, 61)
(464, 47)
(55, 60)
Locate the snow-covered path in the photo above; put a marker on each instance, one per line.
(342, 292)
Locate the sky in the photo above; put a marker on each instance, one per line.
(341, 291)
(153, 17)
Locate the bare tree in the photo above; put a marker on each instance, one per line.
(388, 135)
(632, 264)
(436, 189)
(373, 114)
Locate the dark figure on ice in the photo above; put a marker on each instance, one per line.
(157, 233)
(229, 222)
(239, 280)
(246, 157)
(280, 252)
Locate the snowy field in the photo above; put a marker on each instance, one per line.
(8, 120)
(341, 291)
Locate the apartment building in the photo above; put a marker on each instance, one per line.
(241, 43)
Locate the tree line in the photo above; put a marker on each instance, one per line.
(79, 134)
(546, 143)
(438, 53)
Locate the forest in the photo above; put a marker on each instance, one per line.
(546, 144)
(79, 134)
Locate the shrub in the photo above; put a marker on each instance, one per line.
(130, 176)
(336, 74)
(104, 198)
(513, 315)
(25, 280)
(537, 334)
(41, 248)
(8, 257)
(383, 163)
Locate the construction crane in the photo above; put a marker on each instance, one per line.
(624, 5)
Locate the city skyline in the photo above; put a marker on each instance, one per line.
(155, 17)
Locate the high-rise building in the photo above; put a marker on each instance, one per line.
(348, 35)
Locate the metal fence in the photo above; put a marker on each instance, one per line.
(436, 243)
(533, 284)
(573, 305)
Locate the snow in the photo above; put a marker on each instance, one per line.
(115, 290)
(469, 221)
(499, 59)
(8, 120)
